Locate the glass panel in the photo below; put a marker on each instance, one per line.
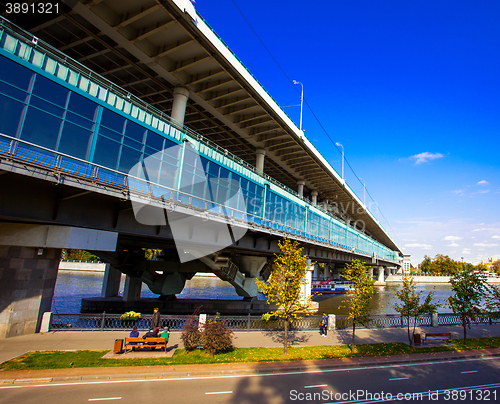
(72, 77)
(168, 175)
(46, 106)
(132, 143)
(82, 106)
(112, 120)
(79, 120)
(11, 112)
(152, 169)
(110, 133)
(129, 157)
(13, 92)
(36, 58)
(50, 91)
(135, 131)
(41, 128)
(154, 140)
(15, 74)
(75, 141)
(106, 152)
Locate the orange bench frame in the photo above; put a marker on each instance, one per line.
(145, 343)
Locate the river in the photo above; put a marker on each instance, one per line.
(72, 286)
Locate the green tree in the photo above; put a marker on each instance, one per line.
(469, 290)
(285, 284)
(426, 266)
(412, 307)
(78, 255)
(358, 299)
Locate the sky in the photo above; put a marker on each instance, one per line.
(411, 89)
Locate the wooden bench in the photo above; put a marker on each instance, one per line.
(140, 343)
(442, 336)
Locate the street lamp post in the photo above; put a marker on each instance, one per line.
(338, 144)
(301, 101)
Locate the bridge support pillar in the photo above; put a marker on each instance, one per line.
(27, 280)
(314, 197)
(111, 282)
(181, 96)
(132, 290)
(300, 187)
(381, 276)
(261, 155)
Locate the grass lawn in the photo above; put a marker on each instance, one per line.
(82, 359)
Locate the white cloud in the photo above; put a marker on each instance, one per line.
(495, 236)
(425, 157)
(453, 238)
(417, 245)
(453, 245)
(466, 251)
(483, 182)
(484, 245)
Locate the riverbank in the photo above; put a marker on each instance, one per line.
(80, 266)
(431, 279)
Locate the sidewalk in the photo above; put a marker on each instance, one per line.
(95, 340)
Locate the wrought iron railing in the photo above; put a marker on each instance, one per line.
(113, 322)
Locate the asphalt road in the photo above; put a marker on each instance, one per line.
(465, 381)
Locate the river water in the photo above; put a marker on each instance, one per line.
(72, 286)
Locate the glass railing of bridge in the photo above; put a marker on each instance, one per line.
(94, 118)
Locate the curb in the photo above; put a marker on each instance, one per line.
(273, 367)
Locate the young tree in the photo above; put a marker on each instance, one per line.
(470, 288)
(284, 286)
(411, 306)
(358, 299)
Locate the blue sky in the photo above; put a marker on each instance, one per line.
(411, 89)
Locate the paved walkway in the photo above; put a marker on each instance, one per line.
(95, 340)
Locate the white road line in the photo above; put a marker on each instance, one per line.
(399, 378)
(219, 392)
(317, 385)
(105, 399)
(189, 378)
(469, 371)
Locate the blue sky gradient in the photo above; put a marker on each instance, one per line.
(411, 89)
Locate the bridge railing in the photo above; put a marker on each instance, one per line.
(113, 322)
(64, 165)
(26, 46)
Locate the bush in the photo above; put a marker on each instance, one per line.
(217, 336)
(191, 335)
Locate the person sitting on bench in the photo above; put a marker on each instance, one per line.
(151, 334)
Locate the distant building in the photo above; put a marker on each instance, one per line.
(406, 266)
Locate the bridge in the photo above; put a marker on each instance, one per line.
(131, 125)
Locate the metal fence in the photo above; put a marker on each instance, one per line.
(113, 322)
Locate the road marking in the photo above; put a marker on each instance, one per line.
(317, 385)
(469, 371)
(105, 399)
(189, 378)
(219, 392)
(399, 378)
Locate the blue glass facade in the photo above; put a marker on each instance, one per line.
(84, 126)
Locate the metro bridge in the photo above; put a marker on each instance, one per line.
(89, 163)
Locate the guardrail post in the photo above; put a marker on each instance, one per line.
(248, 322)
(102, 320)
(434, 320)
(331, 322)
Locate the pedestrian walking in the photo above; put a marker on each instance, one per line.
(323, 325)
(156, 320)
